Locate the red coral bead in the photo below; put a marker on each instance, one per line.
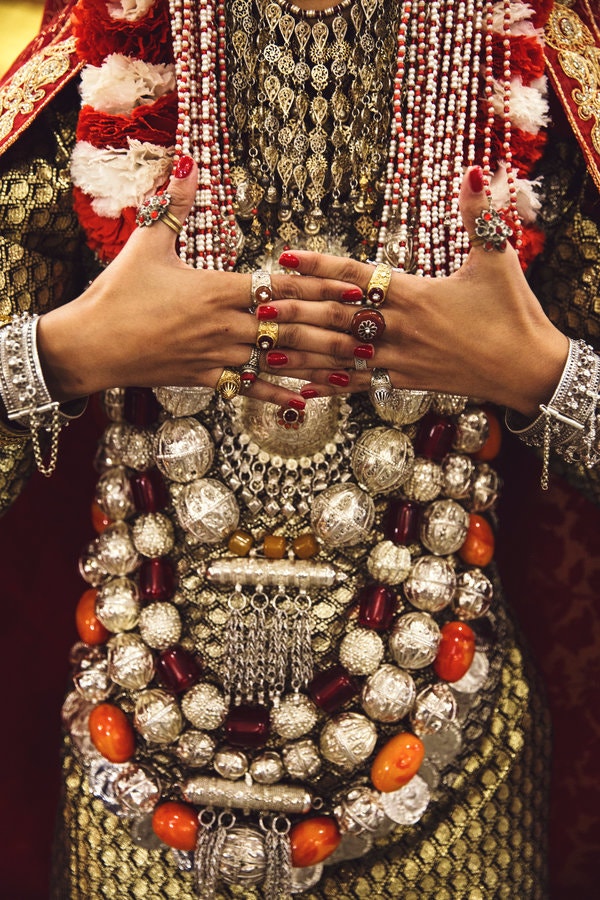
(149, 491)
(397, 762)
(479, 545)
(140, 408)
(176, 824)
(156, 579)
(247, 726)
(377, 607)
(332, 688)
(177, 669)
(112, 733)
(402, 523)
(456, 651)
(313, 840)
(434, 437)
(89, 628)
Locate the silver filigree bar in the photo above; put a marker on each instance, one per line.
(205, 791)
(300, 573)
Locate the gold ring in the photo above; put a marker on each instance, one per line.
(378, 285)
(172, 221)
(267, 335)
(229, 384)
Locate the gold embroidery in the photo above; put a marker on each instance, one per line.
(27, 87)
(579, 59)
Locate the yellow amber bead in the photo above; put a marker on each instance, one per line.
(274, 546)
(240, 543)
(305, 546)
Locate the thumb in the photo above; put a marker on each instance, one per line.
(166, 211)
(473, 199)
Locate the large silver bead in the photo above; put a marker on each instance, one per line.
(157, 716)
(361, 651)
(75, 715)
(448, 404)
(153, 534)
(118, 604)
(472, 431)
(407, 805)
(138, 452)
(230, 763)
(457, 475)
(205, 706)
(116, 552)
(137, 790)
(388, 694)
(267, 768)
(358, 810)
(400, 406)
(113, 402)
(302, 760)
(444, 527)
(89, 565)
(183, 449)
(294, 717)
(348, 740)
(208, 510)
(130, 661)
(113, 446)
(382, 459)
(342, 515)
(195, 749)
(473, 596)
(434, 709)
(243, 858)
(113, 494)
(160, 625)
(425, 481)
(184, 401)
(389, 563)
(92, 681)
(485, 488)
(415, 640)
(431, 584)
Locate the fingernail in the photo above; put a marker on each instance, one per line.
(309, 393)
(341, 379)
(266, 312)
(276, 358)
(476, 179)
(364, 351)
(289, 260)
(352, 294)
(296, 403)
(184, 166)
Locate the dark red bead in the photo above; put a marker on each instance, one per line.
(177, 669)
(332, 688)
(247, 726)
(157, 579)
(434, 437)
(149, 491)
(377, 606)
(403, 522)
(141, 408)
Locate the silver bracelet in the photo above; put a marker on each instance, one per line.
(568, 424)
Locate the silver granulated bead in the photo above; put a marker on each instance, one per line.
(358, 810)
(407, 805)
(157, 716)
(361, 651)
(388, 694)
(138, 453)
(184, 401)
(243, 857)
(294, 717)
(137, 790)
(434, 709)
(302, 760)
(153, 534)
(415, 640)
(230, 763)
(425, 481)
(130, 661)
(113, 445)
(448, 404)
(183, 449)
(118, 604)
(116, 552)
(348, 740)
(382, 459)
(208, 510)
(160, 625)
(485, 488)
(267, 768)
(431, 584)
(342, 515)
(473, 596)
(457, 475)
(195, 749)
(205, 706)
(113, 494)
(444, 527)
(472, 431)
(389, 563)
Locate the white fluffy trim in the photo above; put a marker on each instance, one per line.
(128, 9)
(528, 105)
(528, 199)
(122, 83)
(119, 178)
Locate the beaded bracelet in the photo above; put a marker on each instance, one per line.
(568, 423)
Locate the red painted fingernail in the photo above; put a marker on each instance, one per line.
(296, 403)
(184, 167)
(364, 351)
(352, 294)
(266, 312)
(341, 379)
(276, 358)
(476, 179)
(289, 260)
(309, 393)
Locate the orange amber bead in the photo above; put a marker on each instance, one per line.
(456, 651)
(112, 733)
(240, 543)
(274, 546)
(313, 840)
(305, 546)
(176, 824)
(491, 448)
(100, 520)
(478, 548)
(397, 762)
(89, 628)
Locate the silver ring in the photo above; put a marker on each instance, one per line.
(360, 364)
(261, 291)
(380, 388)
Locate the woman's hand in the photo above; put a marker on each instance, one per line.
(480, 332)
(149, 319)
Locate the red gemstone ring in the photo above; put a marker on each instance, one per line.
(156, 209)
(367, 325)
(491, 231)
(378, 285)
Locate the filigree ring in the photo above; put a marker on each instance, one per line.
(249, 371)
(378, 285)
(261, 290)
(229, 384)
(267, 335)
(156, 209)
(491, 231)
(380, 389)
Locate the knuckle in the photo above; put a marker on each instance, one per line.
(287, 287)
(291, 336)
(339, 317)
